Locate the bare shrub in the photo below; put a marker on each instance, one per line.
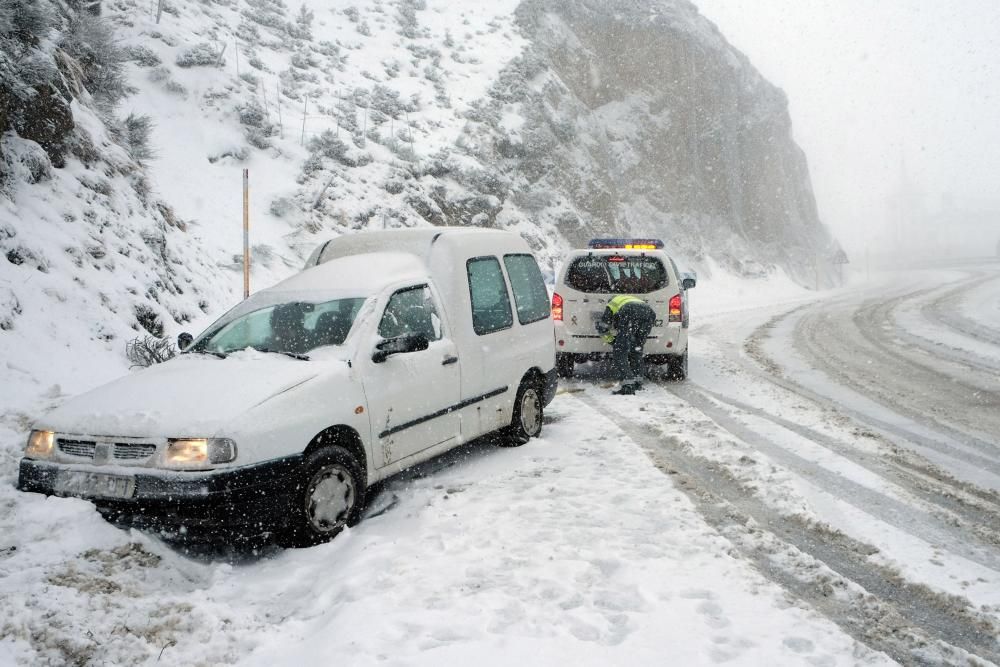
(201, 55)
(148, 350)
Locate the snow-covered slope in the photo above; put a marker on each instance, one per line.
(352, 115)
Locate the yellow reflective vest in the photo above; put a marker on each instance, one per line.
(614, 306)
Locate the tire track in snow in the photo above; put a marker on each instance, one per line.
(868, 359)
(933, 311)
(889, 510)
(903, 437)
(953, 319)
(824, 569)
(978, 509)
(875, 320)
(834, 359)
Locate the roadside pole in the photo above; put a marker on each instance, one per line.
(246, 233)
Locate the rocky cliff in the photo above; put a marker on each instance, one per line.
(637, 117)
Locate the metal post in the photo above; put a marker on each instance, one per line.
(246, 233)
(281, 125)
(305, 109)
(159, 11)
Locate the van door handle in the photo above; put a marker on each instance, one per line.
(449, 360)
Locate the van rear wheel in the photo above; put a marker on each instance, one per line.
(528, 414)
(564, 364)
(329, 495)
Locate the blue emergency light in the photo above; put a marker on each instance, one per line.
(625, 244)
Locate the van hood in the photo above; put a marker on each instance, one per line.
(189, 396)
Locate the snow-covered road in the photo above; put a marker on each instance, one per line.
(822, 491)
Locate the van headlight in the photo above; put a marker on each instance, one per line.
(40, 444)
(199, 452)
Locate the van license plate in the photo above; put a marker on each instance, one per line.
(94, 485)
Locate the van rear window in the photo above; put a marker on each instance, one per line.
(617, 274)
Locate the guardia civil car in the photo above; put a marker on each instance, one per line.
(590, 277)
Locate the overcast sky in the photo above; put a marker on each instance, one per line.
(872, 84)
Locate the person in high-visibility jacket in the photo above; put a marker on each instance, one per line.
(625, 325)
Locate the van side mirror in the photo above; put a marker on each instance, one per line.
(411, 342)
(184, 341)
(689, 280)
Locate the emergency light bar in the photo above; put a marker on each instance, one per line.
(625, 244)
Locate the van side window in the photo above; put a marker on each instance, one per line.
(411, 310)
(530, 296)
(488, 289)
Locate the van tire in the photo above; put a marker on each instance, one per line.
(677, 368)
(330, 479)
(564, 365)
(526, 422)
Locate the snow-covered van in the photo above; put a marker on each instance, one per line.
(590, 277)
(387, 349)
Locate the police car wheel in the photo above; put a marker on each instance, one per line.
(564, 365)
(528, 414)
(678, 369)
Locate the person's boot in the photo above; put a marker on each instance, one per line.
(625, 389)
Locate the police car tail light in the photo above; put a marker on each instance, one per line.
(557, 307)
(675, 308)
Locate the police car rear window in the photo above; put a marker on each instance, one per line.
(617, 274)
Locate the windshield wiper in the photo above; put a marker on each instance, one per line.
(220, 355)
(293, 355)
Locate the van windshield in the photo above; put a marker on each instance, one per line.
(294, 327)
(617, 274)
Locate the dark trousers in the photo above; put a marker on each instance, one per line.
(635, 321)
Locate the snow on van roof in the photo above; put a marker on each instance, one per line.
(412, 241)
(360, 274)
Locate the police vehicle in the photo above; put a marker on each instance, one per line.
(591, 277)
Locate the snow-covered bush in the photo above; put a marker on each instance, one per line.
(148, 350)
(141, 55)
(162, 75)
(386, 101)
(23, 160)
(10, 308)
(201, 55)
(92, 43)
(281, 206)
(258, 138)
(268, 13)
(302, 28)
(252, 114)
(328, 145)
(406, 16)
(138, 129)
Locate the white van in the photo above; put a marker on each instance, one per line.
(590, 277)
(387, 349)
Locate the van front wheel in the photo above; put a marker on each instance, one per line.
(528, 413)
(329, 495)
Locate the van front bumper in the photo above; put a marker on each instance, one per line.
(250, 499)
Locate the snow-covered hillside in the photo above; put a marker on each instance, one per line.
(124, 217)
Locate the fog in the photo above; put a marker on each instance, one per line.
(897, 105)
